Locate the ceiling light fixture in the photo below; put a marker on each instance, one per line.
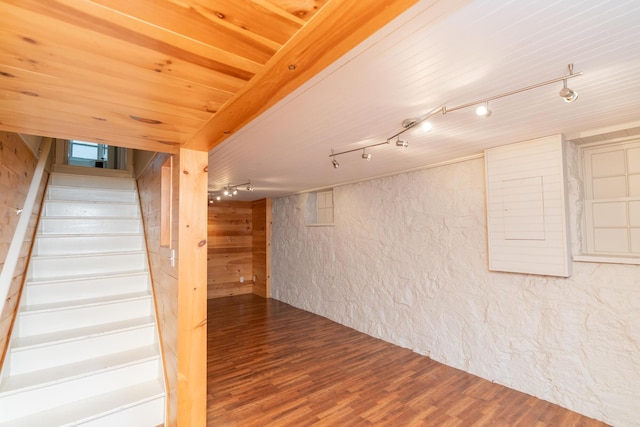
(229, 191)
(483, 110)
(569, 95)
(400, 143)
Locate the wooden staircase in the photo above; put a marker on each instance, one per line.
(84, 349)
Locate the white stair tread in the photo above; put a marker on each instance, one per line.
(94, 407)
(78, 173)
(92, 188)
(80, 277)
(98, 235)
(92, 218)
(88, 255)
(66, 279)
(24, 382)
(91, 202)
(24, 343)
(64, 305)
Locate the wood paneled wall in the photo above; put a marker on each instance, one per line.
(230, 249)
(17, 166)
(261, 210)
(239, 238)
(180, 289)
(164, 276)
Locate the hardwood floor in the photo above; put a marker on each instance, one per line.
(270, 364)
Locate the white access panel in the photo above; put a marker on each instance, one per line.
(527, 217)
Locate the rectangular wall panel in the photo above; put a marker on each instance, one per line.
(526, 208)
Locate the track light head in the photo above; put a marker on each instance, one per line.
(366, 156)
(401, 143)
(335, 163)
(426, 126)
(483, 110)
(226, 192)
(218, 198)
(235, 191)
(569, 95)
(249, 188)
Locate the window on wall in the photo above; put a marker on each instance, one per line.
(612, 201)
(82, 153)
(319, 208)
(325, 207)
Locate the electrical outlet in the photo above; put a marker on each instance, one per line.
(241, 279)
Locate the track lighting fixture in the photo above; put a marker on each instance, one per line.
(230, 190)
(482, 109)
(569, 95)
(400, 143)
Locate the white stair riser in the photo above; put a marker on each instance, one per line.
(52, 267)
(20, 404)
(90, 194)
(73, 290)
(89, 226)
(63, 245)
(34, 358)
(147, 414)
(73, 180)
(76, 209)
(45, 321)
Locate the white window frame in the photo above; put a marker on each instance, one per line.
(320, 209)
(629, 197)
(101, 152)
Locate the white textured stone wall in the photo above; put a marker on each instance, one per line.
(407, 262)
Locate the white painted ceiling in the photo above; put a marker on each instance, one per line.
(445, 55)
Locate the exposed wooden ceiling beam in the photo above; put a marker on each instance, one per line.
(337, 28)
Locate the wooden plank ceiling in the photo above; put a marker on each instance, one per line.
(163, 74)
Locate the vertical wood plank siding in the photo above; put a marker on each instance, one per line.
(17, 166)
(230, 232)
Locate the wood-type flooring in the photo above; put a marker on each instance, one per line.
(270, 364)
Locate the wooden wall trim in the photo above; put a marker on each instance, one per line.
(192, 288)
(261, 218)
(268, 223)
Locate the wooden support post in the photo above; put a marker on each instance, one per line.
(192, 289)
